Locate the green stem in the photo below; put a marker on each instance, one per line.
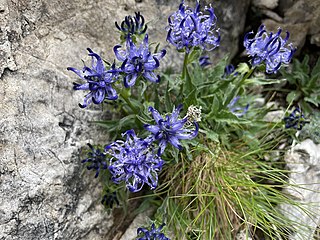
(126, 99)
(184, 72)
(239, 84)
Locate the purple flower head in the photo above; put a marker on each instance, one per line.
(204, 61)
(295, 120)
(96, 160)
(170, 129)
(190, 28)
(269, 48)
(109, 199)
(138, 61)
(132, 25)
(135, 162)
(98, 81)
(238, 111)
(152, 234)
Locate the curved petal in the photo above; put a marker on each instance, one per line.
(130, 80)
(77, 86)
(120, 55)
(151, 76)
(152, 128)
(174, 141)
(98, 96)
(156, 115)
(189, 136)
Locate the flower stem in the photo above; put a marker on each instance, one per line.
(239, 84)
(127, 100)
(184, 72)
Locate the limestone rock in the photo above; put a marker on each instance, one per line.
(301, 19)
(44, 193)
(304, 163)
(269, 4)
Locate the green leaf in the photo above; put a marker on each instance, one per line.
(293, 96)
(212, 136)
(194, 56)
(117, 125)
(262, 81)
(167, 98)
(215, 107)
(243, 68)
(316, 68)
(229, 117)
(312, 100)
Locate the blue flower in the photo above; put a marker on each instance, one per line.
(109, 199)
(190, 28)
(96, 160)
(269, 48)
(229, 69)
(138, 61)
(238, 111)
(170, 129)
(204, 61)
(295, 120)
(134, 161)
(99, 81)
(132, 25)
(152, 234)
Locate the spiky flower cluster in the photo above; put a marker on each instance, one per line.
(295, 120)
(96, 160)
(136, 62)
(99, 81)
(134, 162)
(236, 110)
(269, 48)
(152, 234)
(170, 129)
(132, 25)
(137, 161)
(192, 28)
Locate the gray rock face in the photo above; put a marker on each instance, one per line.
(304, 164)
(44, 192)
(301, 19)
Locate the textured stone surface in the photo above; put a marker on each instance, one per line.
(231, 21)
(301, 19)
(304, 163)
(269, 4)
(45, 194)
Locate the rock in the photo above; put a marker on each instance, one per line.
(303, 162)
(301, 19)
(231, 21)
(268, 4)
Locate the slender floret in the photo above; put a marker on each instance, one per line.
(152, 234)
(269, 48)
(236, 110)
(96, 160)
(295, 120)
(228, 70)
(132, 25)
(204, 61)
(98, 81)
(170, 129)
(190, 28)
(109, 199)
(138, 61)
(134, 161)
